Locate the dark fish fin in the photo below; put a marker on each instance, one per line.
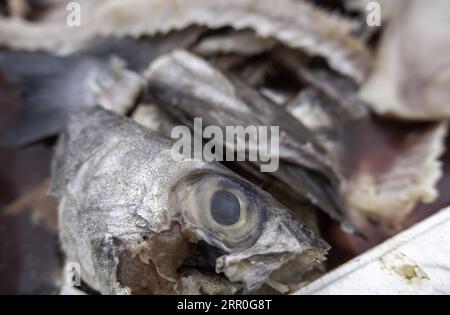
(18, 65)
(41, 82)
(33, 124)
(320, 191)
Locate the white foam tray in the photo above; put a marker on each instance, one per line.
(416, 261)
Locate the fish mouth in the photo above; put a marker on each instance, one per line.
(283, 270)
(177, 262)
(207, 270)
(203, 256)
(286, 255)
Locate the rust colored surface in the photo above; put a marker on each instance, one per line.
(29, 252)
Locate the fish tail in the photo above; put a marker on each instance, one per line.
(40, 80)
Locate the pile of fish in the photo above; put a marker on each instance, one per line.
(113, 87)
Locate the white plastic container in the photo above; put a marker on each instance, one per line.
(416, 261)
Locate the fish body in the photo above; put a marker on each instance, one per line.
(188, 87)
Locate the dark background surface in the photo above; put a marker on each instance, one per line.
(29, 252)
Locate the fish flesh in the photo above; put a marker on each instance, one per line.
(318, 115)
(312, 110)
(244, 43)
(297, 24)
(153, 117)
(411, 77)
(137, 221)
(390, 196)
(187, 87)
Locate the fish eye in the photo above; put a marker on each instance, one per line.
(226, 209)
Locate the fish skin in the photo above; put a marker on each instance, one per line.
(179, 80)
(244, 43)
(297, 24)
(411, 76)
(110, 175)
(187, 87)
(375, 195)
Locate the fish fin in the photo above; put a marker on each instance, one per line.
(33, 124)
(320, 191)
(42, 83)
(19, 65)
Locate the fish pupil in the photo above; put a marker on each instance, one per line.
(225, 208)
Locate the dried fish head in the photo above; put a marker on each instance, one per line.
(138, 222)
(256, 233)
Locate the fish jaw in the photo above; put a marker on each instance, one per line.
(284, 242)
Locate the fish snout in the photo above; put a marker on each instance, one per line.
(286, 250)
